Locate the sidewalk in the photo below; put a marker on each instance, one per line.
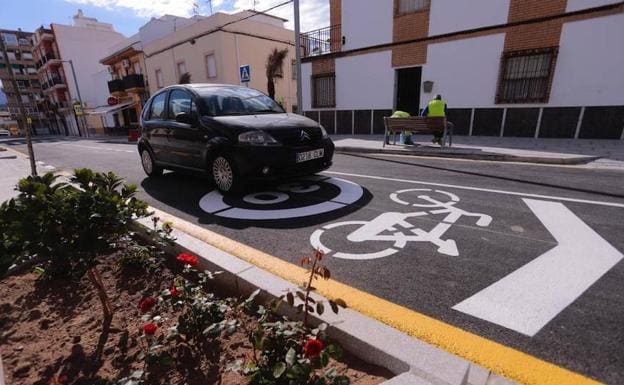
(13, 167)
(609, 153)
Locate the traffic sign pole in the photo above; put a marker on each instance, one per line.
(298, 59)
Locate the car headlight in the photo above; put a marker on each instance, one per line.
(256, 137)
(323, 131)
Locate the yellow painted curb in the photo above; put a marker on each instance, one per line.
(500, 359)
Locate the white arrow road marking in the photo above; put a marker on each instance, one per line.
(530, 297)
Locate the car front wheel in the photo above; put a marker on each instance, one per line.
(150, 168)
(225, 176)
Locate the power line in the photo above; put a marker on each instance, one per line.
(219, 28)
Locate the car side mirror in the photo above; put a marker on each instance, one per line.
(185, 117)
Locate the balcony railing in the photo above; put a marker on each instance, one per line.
(50, 56)
(321, 41)
(132, 81)
(115, 85)
(51, 82)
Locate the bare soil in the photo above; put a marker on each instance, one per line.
(52, 332)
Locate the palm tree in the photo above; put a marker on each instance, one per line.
(185, 78)
(274, 65)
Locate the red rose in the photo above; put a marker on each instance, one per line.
(149, 329)
(313, 348)
(173, 291)
(187, 259)
(146, 304)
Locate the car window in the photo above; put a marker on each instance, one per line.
(180, 101)
(146, 110)
(158, 107)
(223, 101)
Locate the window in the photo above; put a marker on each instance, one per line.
(27, 56)
(180, 101)
(23, 41)
(159, 79)
(11, 55)
(137, 67)
(9, 39)
(408, 6)
(293, 69)
(526, 76)
(181, 68)
(158, 107)
(234, 100)
(324, 91)
(211, 66)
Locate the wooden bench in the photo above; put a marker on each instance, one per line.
(418, 124)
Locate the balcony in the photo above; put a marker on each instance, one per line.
(321, 41)
(116, 87)
(53, 83)
(133, 83)
(48, 59)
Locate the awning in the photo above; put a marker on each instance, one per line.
(103, 110)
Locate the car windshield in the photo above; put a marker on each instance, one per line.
(224, 101)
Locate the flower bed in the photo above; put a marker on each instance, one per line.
(133, 315)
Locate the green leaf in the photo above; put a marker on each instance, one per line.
(279, 369)
(341, 380)
(324, 359)
(290, 299)
(290, 356)
(320, 381)
(334, 351)
(320, 308)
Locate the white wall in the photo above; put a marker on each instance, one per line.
(575, 5)
(465, 71)
(306, 86)
(85, 47)
(366, 23)
(365, 81)
(590, 66)
(458, 15)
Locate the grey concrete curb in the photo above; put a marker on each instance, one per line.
(458, 154)
(1, 372)
(413, 361)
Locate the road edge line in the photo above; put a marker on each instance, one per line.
(502, 360)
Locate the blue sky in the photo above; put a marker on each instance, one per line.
(128, 15)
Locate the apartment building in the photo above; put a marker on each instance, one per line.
(128, 86)
(19, 51)
(524, 68)
(212, 49)
(82, 43)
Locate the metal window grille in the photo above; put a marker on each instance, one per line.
(324, 91)
(526, 76)
(407, 6)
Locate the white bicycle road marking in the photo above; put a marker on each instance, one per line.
(392, 227)
(470, 188)
(530, 297)
(214, 202)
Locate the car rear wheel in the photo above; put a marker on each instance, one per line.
(150, 168)
(225, 176)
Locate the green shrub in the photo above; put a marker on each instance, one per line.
(65, 227)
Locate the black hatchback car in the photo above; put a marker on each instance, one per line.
(235, 134)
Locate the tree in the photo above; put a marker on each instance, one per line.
(185, 78)
(274, 65)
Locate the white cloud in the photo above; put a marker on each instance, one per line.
(314, 13)
(144, 8)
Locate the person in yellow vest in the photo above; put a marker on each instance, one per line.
(406, 136)
(437, 108)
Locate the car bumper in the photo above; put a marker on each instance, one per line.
(257, 163)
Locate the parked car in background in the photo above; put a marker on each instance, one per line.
(235, 134)
(4, 132)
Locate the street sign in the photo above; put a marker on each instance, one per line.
(245, 73)
(78, 109)
(29, 120)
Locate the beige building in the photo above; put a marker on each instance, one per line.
(212, 49)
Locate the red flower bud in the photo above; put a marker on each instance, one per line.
(313, 348)
(187, 259)
(173, 291)
(149, 329)
(146, 304)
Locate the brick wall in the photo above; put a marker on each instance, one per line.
(323, 66)
(537, 35)
(406, 27)
(335, 19)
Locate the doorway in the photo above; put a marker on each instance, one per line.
(408, 90)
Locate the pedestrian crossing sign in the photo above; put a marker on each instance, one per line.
(245, 73)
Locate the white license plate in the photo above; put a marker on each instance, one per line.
(309, 155)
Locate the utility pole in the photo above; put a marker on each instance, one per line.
(298, 59)
(22, 110)
(71, 64)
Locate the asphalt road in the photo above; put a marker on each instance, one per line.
(525, 255)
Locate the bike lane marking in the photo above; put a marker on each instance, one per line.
(530, 297)
(498, 358)
(514, 193)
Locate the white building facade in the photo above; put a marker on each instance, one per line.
(543, 69)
